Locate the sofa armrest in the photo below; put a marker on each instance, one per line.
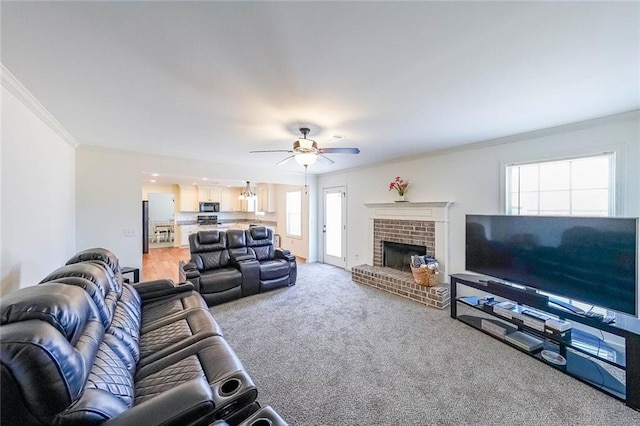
(285, 254)
(243, 257)
(190, 270)
(183, 404)
(160, 288)
(265, 415)
(250, 270)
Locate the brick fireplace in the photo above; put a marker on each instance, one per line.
(420, 224)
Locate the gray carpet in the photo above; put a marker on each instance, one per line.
(330, 351)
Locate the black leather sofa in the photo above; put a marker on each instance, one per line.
(84, 347)
(227, 265)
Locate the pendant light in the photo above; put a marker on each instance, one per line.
(247, 193)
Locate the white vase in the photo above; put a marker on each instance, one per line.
(401, 198)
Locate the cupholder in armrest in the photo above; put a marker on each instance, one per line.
(229, 387)
(266, 416)
(261, 422)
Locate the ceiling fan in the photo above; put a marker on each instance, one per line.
(306, 152)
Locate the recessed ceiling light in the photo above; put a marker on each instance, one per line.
(152, 181)
(334, 138)
(154, 174)
(204, 179)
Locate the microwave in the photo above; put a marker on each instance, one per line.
(209, 207)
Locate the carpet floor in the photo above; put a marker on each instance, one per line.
(328, 351)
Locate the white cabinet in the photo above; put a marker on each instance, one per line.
(185, 231)
(229, 201)
(209, 193)
(188, 198)
(266, 197)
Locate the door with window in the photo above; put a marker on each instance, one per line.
(334, 226)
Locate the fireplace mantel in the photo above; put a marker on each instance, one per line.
(411, 204)
(435, 211)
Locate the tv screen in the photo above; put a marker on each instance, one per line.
(590, 260)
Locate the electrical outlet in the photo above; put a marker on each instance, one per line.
(130, 232)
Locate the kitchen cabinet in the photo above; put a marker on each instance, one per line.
(267, 193)
(185, 231)
(229, 201)
(188, 198)
(209, 193)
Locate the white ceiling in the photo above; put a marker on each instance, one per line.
(214, 80)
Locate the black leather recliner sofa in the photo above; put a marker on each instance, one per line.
(84, 347)
(227, 265)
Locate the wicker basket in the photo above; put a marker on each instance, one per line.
(425, 276)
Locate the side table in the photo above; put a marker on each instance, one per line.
(134, 271)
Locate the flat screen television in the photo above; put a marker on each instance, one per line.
(586, 259)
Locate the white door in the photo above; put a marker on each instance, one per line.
(334, 226)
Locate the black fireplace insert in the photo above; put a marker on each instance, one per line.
(398, 255)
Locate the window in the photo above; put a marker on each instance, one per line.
(583, 186)
(294, 213)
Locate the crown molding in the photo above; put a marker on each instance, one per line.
(13, 85)
(519, 137)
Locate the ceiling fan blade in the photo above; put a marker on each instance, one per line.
(285, 160)
(339, 151)
(271, 150)
(326, 158)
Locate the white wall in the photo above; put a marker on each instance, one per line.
(37, 231)
(154, 188)
(471, 176)
(109, 188)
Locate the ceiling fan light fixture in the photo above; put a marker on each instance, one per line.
(306, 159)
(247, 193)
(306, 144)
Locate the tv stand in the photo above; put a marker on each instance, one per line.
(567, 306)
(610, 368)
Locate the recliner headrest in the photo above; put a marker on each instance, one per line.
(97, 254)
(206, 241)
(209, 237)
(87, 270)
(236, 238)
(259, 232)
(93, 291)
(65, 307)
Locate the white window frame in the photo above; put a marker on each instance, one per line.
(288, 230)
(614, 193)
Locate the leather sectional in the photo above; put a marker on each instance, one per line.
(227, 265)
(85, 347)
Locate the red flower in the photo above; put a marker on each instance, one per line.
(399, 185)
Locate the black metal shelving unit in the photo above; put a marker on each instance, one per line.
(589, 358)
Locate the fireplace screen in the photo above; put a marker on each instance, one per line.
(398, 255)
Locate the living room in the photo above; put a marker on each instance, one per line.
(63, 191)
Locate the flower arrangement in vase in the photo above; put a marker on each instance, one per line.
(399, 185)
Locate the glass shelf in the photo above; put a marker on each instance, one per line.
(588, 357)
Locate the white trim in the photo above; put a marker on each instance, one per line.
(13, 85)
(519, 137)
(619, 152)
(411, 204)
(342, 262)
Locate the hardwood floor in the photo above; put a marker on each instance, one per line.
(162, 263)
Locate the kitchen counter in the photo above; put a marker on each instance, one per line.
(188, 227)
